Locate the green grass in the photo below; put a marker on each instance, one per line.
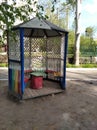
(3, 64)
(82, 66)
(88, 65)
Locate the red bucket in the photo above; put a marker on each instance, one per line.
(36, 82)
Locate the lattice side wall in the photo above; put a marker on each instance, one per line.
(14, 46)
(14, 63)
(54, 58)
(44, 54)
(35, 53)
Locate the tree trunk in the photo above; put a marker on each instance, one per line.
(77, 34)
(77, 49)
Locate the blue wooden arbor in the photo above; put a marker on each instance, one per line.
(36, 45)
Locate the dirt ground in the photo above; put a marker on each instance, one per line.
(74, 109)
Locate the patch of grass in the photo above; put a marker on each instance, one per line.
(3, 64)
(71, 66)
(81, 66)
(88, 65)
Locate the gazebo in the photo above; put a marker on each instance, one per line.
(36, 55)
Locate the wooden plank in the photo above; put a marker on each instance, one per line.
(48, 88)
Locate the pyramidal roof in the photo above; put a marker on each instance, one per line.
(39, 27)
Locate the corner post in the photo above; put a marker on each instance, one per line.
(65, 55)
(22, 58)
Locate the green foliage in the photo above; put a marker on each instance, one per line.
(71, 40)
(9, 13)
(87, 46)
(90, 32)
(53, 17)
(71, 37)
(70, 3)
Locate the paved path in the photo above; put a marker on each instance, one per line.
(3, 73)
(72, 74)
(81, 74)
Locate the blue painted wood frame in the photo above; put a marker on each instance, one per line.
(22, 58)
(65, 55)
(9, 72)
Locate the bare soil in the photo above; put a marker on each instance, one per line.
(74, 109)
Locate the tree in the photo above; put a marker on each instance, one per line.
(90, 31)
(53, 15)
(67, 9)
(10, 12)
(74, 5)
(77, 34)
